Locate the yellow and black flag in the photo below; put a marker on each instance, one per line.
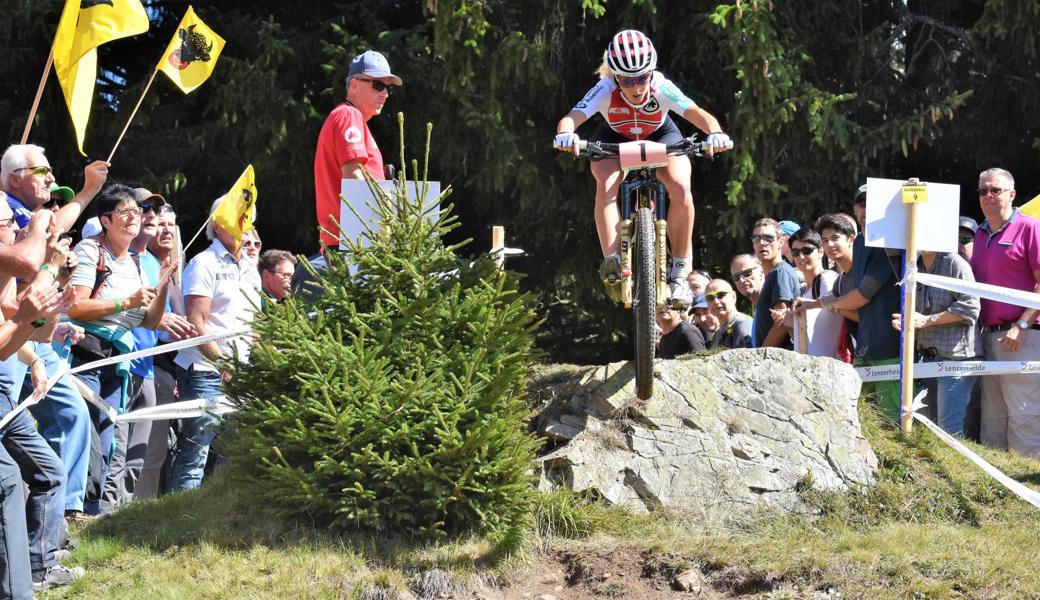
(238, 210)
(85, 25)
(192, 53)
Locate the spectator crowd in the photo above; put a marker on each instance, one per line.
(848, 296)
(72, 300)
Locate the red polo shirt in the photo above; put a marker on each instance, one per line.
(344, 138)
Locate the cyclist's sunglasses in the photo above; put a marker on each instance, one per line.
(379, 86)
(633, 81)
(804, 250)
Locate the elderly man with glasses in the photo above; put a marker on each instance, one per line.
(346, 148)
(62, 416)
(1007, 254)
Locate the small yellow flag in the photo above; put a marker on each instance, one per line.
(1031, 208)
(85, 25)
(192, 53)
(238, 210)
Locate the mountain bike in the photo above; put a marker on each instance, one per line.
(643, 205)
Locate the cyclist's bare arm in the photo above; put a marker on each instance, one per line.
(704, 121)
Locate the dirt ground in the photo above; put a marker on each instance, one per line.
(632, 575)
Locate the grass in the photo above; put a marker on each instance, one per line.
(934, 526)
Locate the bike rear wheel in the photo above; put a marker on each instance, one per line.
(644, 302)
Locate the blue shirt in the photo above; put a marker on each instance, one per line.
(147, 338)
(875, 275)
(22, 214)
(781, 284)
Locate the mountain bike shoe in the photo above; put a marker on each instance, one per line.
(610, 273)
(680, 297)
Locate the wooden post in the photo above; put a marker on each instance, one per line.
(498, 243)
(913, 194)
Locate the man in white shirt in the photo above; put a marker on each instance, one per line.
(221, 291)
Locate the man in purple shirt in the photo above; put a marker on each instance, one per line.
(1007, 254)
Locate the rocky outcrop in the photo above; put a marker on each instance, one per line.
(735, 430)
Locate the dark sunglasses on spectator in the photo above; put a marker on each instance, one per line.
(804, 250)
(745, 274)
(155, 208)
(769, 239)
(379, 86)
(965, 239)
(716, 295)
(992, 190)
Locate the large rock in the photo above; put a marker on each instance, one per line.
(735, 430)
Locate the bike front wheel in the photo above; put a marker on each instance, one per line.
(644, 302)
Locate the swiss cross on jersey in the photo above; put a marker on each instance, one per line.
(634, 123)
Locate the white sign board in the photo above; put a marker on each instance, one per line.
(936, 218)
(360, 197)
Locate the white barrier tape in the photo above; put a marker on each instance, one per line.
(981, 290)
(178, 410)
(951, 368)
(93, 398)
(181, 345)
(1029, 495)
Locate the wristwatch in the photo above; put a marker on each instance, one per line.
(1022, 324)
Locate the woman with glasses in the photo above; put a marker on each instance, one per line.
(824, 327)
(634, 100)
(113, 297)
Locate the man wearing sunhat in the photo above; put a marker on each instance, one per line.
(346, 148)
(966, 237)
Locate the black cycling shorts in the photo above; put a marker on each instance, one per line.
(667, 133)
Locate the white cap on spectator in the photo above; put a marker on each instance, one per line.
(91, 228)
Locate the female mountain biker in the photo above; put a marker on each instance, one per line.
(634, 100)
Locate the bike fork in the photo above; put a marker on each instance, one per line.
(661, 245)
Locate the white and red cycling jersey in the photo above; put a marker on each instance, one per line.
(634, 123)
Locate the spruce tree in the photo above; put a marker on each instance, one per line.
(395, 401)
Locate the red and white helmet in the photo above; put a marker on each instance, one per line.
(630, 54)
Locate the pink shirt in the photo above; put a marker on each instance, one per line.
(1007, 258)
(344, 138)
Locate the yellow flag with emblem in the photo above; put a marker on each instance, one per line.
(85, 25)
(1031, 208)
(238, 210)
(192, 53)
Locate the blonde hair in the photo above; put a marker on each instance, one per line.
(604, 71)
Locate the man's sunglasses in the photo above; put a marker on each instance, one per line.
(965, 239)
(766, 239)
(995, 191)
(716, 295)
(41, 171)
(804, 250)
(745, 274)
(379, 86)
(155, 208)
(633, 81)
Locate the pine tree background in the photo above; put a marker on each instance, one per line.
(399, 407)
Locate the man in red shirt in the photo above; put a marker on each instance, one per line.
(346, 147)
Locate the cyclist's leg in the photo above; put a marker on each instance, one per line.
(676, 179)
(608, 181)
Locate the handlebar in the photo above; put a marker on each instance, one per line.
(687, 147)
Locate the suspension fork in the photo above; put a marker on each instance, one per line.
(627, 189)
(661, 242)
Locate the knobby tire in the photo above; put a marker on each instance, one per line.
(644, 302)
